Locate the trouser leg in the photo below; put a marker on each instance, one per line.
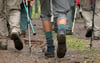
(14, 14)
(97, 25)
(69, 20)
(3, 24)
(23, 18)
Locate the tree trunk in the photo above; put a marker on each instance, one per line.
(36, 6)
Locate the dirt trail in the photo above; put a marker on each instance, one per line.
(38, 46)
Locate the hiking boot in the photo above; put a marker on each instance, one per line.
(17, 40)
(50, 52)
(61, 37)
(89, 32)
(3, 44)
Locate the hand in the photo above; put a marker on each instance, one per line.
(31, 3)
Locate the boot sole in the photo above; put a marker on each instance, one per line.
(61, 50)
(17, 41)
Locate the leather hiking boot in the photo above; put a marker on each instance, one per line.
(61, 37)
(50, 52)
(17, 40)
(89, 32)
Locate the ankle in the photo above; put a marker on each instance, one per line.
(50, 49)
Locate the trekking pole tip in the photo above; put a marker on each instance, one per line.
(34, 33)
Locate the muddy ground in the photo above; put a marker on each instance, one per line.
(38, 47)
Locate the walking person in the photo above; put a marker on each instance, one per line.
(60, 9)
(87, 11)
(10, 11)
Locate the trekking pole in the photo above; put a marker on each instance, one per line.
(74, 16)
(94, 4)
(29, 24)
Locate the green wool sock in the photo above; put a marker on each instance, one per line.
(61, 26)
(49, 38)
(48, 34)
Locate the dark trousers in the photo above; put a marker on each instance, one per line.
(23, 19)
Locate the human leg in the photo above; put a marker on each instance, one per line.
(3, 26)
(45, 16)
(13, 10)
(61, 8)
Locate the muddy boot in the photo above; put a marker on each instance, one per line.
(50, 52)
(3, 44)
(89, 32)
(61, 37)
(17, 40)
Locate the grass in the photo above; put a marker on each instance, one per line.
(76, 44)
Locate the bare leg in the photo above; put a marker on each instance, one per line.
(61, 21)
(47, 26)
